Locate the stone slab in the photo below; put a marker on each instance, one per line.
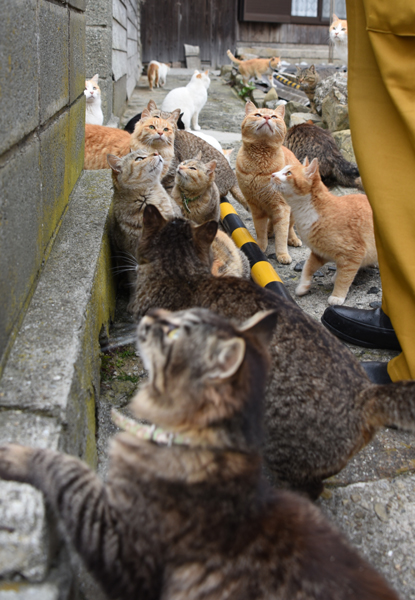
(22, 591)
(119, 64)
(132, 32)
(119, 36)
(119, 12)
(76, 143)
(120, 95)
(98, 51)
(76, 55)
(79, 4)
(19, 79)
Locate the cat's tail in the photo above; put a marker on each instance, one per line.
(347, 173)
(391, 404)
(233, 58)
(238, 195)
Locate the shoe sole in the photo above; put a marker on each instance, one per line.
(355, 342)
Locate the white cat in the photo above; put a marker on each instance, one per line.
(338, 35)
(93, 114)
(190, 99)
(157, 73)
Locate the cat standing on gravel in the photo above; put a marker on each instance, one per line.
(185, 512)
(190, 99)
(320, 407)
(262, 153)
(338, 35)
(255, 67)
(93, 113)
(335, 228)
(157, 73)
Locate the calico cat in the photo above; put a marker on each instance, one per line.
(93, 113)
(187, 146)
(311, 432)
(185, 513)
(255, 67)
(308, 78)
(335, 228)
(100, 141)
(136, 179)
(312, 141)
(262, 153)
(190, 99)
(157, 73)
(338, 35)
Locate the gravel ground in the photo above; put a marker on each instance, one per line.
(373, 499)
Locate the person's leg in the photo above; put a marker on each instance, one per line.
(381, 80)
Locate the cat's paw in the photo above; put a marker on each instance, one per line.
(284, 258)
(295, 241)
(302, 289)
(14, 460)
(336, 300)
(197, 128)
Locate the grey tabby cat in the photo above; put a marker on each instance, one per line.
(308, 79)
(320, 407)
(186, 514)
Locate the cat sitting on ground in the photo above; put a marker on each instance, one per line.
(320, 407)
(100, 141)
(335, 228)
(93, 112)
(262, 153)
(197, 196)
(190, 99)
(338, 35)
(308, 78)
(157, 73)
(185, 512)
(312, 141)
(255, 67)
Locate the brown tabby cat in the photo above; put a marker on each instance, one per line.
(187, 146)
(188, 515)
(100, 141)
(312, 141)
(311, 431)
(261, 154)
(335, 228)
(136, 179)
(255, 67)
(308, 79)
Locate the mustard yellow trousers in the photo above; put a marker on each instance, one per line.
(381, 83)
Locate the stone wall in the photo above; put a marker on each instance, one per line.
(113, 50)
(42, 53)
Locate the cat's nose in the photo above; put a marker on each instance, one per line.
(155, 153)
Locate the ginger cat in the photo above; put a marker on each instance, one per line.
(338, 229)
(255, 67)
(157, 73)
(261, 154)
(100, 141)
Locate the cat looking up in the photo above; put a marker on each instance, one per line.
(338, 35)
(335, 228)
(93, 112)
(311, 432)
(190, 99)
(157, 73)
(262, 153)
(185, 512)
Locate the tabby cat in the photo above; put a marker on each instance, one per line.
(335, 228)
(187, 146)
(308, 78)
(311, 431)
(262, 153)
(255, 67)
(309, 140)
(186, 514)
(338, 35)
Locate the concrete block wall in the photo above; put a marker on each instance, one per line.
(42, 53)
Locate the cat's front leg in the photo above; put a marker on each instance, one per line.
(293, 239)
(312, 264)
(281, 225)
(195, 124)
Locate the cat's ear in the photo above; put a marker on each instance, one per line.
(312, 69)
(210, 167)
(229, 357)
(174, 116)
(306, 162)
(153, 220)
(95, 78)
(114, 162)
(207, 72)
(280, 110)
(249, 107)
(262, 325)
(298, 69)
(198, 155)
(151, 105)
(146, 114)
(205, 234)
(335, 17)
(312, 168)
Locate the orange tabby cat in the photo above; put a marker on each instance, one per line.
(100, 141)
(261, 154)
(156, 133)
(255, 67)
(338, 229)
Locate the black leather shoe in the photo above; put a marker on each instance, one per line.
(367, 328)
(377, 371)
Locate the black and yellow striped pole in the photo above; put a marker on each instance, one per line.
(287, 81)
(262, 271)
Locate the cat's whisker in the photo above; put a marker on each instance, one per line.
(118, 343)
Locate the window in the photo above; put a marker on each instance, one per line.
(290, 11)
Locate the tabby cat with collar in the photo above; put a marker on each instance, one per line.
(186, 514)
(320, 407)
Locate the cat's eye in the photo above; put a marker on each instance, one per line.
(138, 158)
(174, 333)
(288, 172)
(152, 127)
(193, 168)
(166, 129)
(274, 117)
(94, 88)
(258, 115)
(343, 28)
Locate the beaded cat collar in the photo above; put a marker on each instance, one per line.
(148, 432)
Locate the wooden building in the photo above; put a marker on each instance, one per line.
(216, 25)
